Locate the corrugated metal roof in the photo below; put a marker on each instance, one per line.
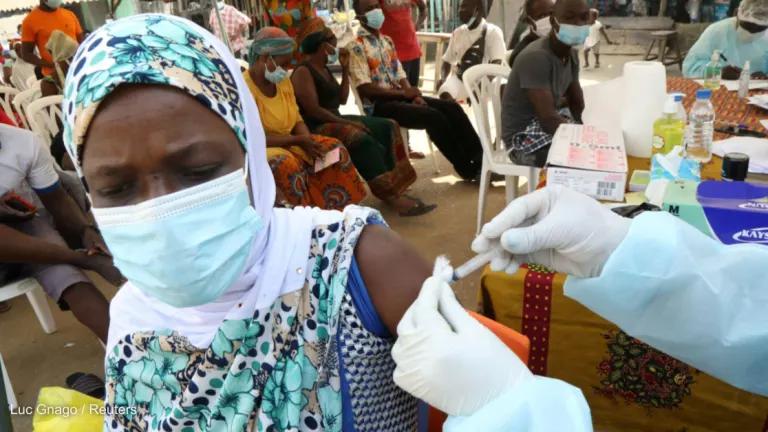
(9, 5)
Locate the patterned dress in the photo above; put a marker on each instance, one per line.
(288, 368)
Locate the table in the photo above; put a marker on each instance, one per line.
(441, 41)
(610, 367)
(728, 108)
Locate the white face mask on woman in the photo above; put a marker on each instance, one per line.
(541, 27)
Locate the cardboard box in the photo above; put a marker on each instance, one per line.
(590, 160)
(732, 212)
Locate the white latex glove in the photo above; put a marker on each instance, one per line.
(447, 358)
(555, 227)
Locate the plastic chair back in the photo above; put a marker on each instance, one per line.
(7, 399)
(21, 102)
(7, 95)
(32, 81)
(483, 85)
(44, 116)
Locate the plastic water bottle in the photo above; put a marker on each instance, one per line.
(744, 81)
(712, 72)
(698, 145)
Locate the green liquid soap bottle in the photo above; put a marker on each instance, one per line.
(669, 130)
(713, 71)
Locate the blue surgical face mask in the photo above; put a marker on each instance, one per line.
(185, 248)
(334, 56)
(53, 4)
(573, 35)
(277, 75)
(375, 18)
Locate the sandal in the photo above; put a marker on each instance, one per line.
(88, 384)
(415, 154)
(418, 209)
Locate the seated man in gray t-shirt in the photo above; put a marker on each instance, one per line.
(544, 73)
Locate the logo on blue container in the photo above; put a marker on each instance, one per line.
(752, 235)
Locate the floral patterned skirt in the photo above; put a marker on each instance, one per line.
(379, 154)
(298, 184)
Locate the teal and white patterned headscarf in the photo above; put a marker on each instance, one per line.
(171, 51)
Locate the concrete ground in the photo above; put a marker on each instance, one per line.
(34, 359)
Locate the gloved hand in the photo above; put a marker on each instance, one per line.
(556, 227)
(447, 358)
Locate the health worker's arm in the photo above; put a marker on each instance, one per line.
(700, 53)
(437, 361)
(536, 404)
(689, 296)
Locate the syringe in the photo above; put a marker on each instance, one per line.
(474, 264)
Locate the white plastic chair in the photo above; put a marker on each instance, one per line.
(22, 100)
(403, 132)
(31, 80)
(44, 116)
(483, 84)
(36, 297)
(7, 95)
(9, 394)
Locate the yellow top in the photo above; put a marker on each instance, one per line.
(280, 113)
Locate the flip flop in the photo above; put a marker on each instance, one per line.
(88, 384)
(419, 209)
(4, 307)
(415, 154)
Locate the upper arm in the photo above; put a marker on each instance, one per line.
(28, 33)
(41, 174)
(359, 73)
(27, 48)
(543, 103)
(55, 201)
(699, 54)
(304, 88)
(450, 56)
(534, 70)
(495, 44)
(393, 272)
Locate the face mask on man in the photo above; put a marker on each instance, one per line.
(186, 248)
(541, 27)
(747, 37)
(573, 35)
(375, 18)
(277, 75)
(53, 4)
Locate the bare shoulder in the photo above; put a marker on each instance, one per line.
(393, 272)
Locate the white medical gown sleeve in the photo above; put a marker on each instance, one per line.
(538, 404)
(689, 296)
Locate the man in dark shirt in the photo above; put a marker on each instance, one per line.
(536, 16)
(546, 71)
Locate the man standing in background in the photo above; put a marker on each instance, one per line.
(398, 25)
(36, 29)
(236, 25)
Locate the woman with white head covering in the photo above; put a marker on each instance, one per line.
(739, 39)
(237, 316)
